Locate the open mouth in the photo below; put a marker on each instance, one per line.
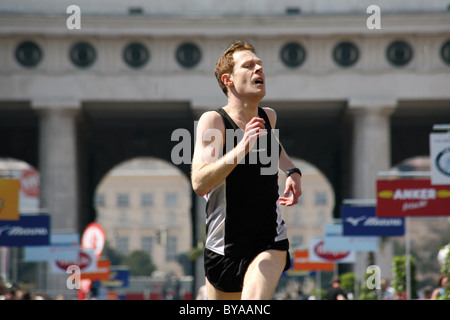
(259, 81)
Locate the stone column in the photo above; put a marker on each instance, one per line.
(371, 144)
(58, 170)
(58, 163)
(371, 153)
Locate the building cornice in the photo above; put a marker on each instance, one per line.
(224, 26)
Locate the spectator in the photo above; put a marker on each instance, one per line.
(427, 292)
(442, 283)
(335, 292)
(388, 292)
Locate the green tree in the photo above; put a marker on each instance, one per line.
(399, 275)
(112, 254)
(139, 263)
(348, 282)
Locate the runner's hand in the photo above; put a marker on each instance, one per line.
(292, 191)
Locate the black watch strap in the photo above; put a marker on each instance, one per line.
(291, 171)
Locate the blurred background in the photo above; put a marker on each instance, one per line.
(91, 95)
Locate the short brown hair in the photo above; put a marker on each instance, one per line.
(226, 62)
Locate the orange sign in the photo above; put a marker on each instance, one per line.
(301, 262)
(103, 271)
(9, 199)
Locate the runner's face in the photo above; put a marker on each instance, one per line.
(248, 76)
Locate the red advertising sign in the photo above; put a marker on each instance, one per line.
(412, 197)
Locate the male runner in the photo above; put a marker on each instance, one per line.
(246, 248)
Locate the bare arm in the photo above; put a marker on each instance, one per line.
(435, 294)
(208, 168)
(293, 188)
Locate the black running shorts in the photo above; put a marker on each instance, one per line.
(227, 273)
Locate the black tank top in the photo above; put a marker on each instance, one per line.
(243, 213)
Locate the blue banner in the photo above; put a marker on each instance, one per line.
(120, 278)
(29, 230)
(362, 221)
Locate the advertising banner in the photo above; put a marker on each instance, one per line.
(362, 221)
(86, 261)
(318, 253)
(412, 197)
(29, 230)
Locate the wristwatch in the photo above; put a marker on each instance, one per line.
(291, 171)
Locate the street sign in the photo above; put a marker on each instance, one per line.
(412, 197)
(362, 221)
(94, 238)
